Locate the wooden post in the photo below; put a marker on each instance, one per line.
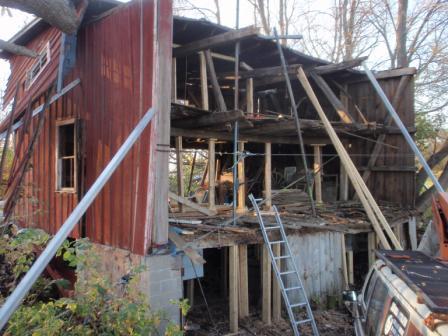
(268, 176)
(190, 291)
(243, 283)
(214, 80)
(276, 293)
(233, 288)
(343, 186)
(174, 80)
(211, 174)
(413, 232)
(371, 245)
(344, 261)
(266, 284)
(180, 170)
(351, 274)
(204, 83)
(250, 96)
(318, 172)
(241, 181)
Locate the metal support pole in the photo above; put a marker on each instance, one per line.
(16, 297)
(235, 170)
(402, 128)
(296, 119)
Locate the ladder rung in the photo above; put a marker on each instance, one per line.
(301, 304)
(289, 272)
(303, 321)
(277, 242)
(292, 288)
(272, 227)
(283, 257)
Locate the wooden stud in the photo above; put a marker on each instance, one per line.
(211, 174)
(233, 288)
(250, 96)
(204, 82)
(276, 292)
(174, 80)
(371, 245)
(243, 283)
(190, 291)
(268, 176)
(266, 286)
(190, 204)
(215, 85)
(344, 262)
(343, 186)
(351, 274)
(317, 165)
(241, 181)
(180, 170)
(225, 272)
(413, 232)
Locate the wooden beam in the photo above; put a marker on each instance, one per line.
(276, 292)
(211, 174)
(205, 134)
(241, 181)
(204, 82)
(190, 291)
(341, 110)
(180, 170)
(331, 68)
(215, 41)
(215, 85)
(268, 176)
(396, 101)
(233, 288)
(243, 291)
(182, 245)
(351, 273)
(209, 119)
(266, 286)
(343, 185)
(317, 166)
(190, 204)
(261, 72)
(412, 226)
(344, 262)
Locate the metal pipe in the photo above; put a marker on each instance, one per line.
(402, 128)
(297, 122)
(14, 300)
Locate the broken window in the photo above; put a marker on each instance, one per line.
(66, 156)
(41, 62)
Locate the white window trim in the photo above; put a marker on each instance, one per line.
(46, 50)
(60, 123)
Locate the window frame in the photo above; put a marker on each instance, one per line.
(59, 123)
(45, 50)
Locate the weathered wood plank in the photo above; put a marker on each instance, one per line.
(215, 41)
(209, 119)
(191, 204)
(182, 245)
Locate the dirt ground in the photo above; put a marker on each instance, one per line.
(329, 323)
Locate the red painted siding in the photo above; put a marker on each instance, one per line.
(115, 62)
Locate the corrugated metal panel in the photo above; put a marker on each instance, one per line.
(115, 66)
(319, 260)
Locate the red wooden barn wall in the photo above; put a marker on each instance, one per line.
(116, 64)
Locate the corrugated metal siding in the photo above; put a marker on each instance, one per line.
(390, 186)
(318, 257)
(114, 93)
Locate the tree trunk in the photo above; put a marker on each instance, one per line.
(433, 161)
(58, 13)
(218, 12)
(16, 49)
(264, 19)
(401, 34)
(424, 200)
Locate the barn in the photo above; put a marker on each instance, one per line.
(78, 101)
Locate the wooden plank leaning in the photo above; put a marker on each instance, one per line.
(374, 213)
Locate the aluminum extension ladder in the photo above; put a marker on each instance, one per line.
(298, 307)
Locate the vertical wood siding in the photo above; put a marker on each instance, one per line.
(116, 68)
